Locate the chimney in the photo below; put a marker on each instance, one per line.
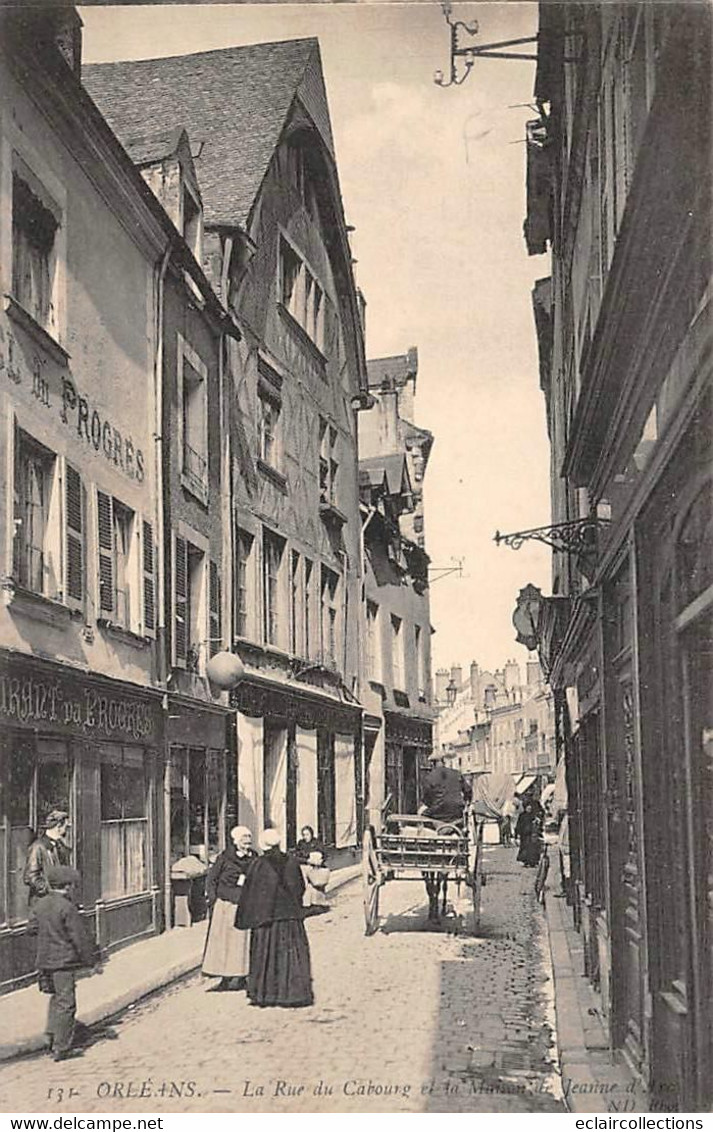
(441, 685)
(475, 683)
(512, 675)
(457, 676)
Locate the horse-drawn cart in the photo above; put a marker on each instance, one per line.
(419, 848)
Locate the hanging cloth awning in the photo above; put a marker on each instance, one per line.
(524, 784)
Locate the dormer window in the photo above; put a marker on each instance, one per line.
(191, 222)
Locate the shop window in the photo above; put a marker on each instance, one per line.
(39, 780)
(197, 788)
(273, 548)
(275, 777)
(325, 787)
(124, 821)
(243, 548)
(36, 518)
(34, 258)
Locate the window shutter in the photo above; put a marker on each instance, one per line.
(105, 518)
(215, 634)
(74, 531)
(180, 603)
(149, 580)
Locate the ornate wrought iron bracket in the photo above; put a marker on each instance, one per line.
(578, 537)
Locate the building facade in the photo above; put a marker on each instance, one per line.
(396, 688)
(619, 188)
(276, 250)
(496, 722)
(80, 691)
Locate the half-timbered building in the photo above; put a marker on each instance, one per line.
(276, 249)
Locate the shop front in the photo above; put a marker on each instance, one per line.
(91, 746)
(200, 794)
(298, 763)
(409, 743)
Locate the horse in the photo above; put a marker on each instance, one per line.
(434, 881)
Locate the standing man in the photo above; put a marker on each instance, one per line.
(63, 948)
(49, 850)
(445, 792)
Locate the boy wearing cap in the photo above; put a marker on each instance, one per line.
(63, 947)
(48, 850)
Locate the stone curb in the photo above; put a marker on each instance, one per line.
(115, 1003)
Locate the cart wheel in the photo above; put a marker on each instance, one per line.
(475, 866)
(371, 882)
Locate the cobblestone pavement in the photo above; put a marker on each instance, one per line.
(408, 1020)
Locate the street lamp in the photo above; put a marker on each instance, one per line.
(469, 52)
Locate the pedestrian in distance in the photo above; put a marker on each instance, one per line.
(63, 948)
(528, 831)
(46, 851)
(312, 856)
(271, 908)
(227, 949)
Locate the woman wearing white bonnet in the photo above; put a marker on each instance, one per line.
(227, 949)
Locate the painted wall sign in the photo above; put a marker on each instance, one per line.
(71, 704)
(75, 410)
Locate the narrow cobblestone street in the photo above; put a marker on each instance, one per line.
(409, 1020)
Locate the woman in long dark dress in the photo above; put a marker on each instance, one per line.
(528, 831)
(227, 948)
(271, 908)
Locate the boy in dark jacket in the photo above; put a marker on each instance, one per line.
(63, 947)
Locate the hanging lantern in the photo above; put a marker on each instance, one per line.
(225, 670)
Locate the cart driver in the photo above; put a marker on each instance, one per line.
(445, 792)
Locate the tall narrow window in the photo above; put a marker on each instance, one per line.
(243, 548)
(195, 429)
(290, 265)
(118, 563)
(308, 632)
(295, 604)
(397, 653)
(75, 519)
(273, 548)
(373, 643)
(34, 230)
(330, 643)
(34, 553)
(190, 615)
(268, 426)
(420, 662)
(216, 621)
(328, 462)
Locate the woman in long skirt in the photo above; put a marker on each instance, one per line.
(271, 908)
(227, 949)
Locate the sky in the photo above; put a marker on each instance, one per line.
(433, 181)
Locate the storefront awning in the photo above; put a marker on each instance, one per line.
(525, 783)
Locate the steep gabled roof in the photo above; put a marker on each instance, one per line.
(233, 102)
(390, 471)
